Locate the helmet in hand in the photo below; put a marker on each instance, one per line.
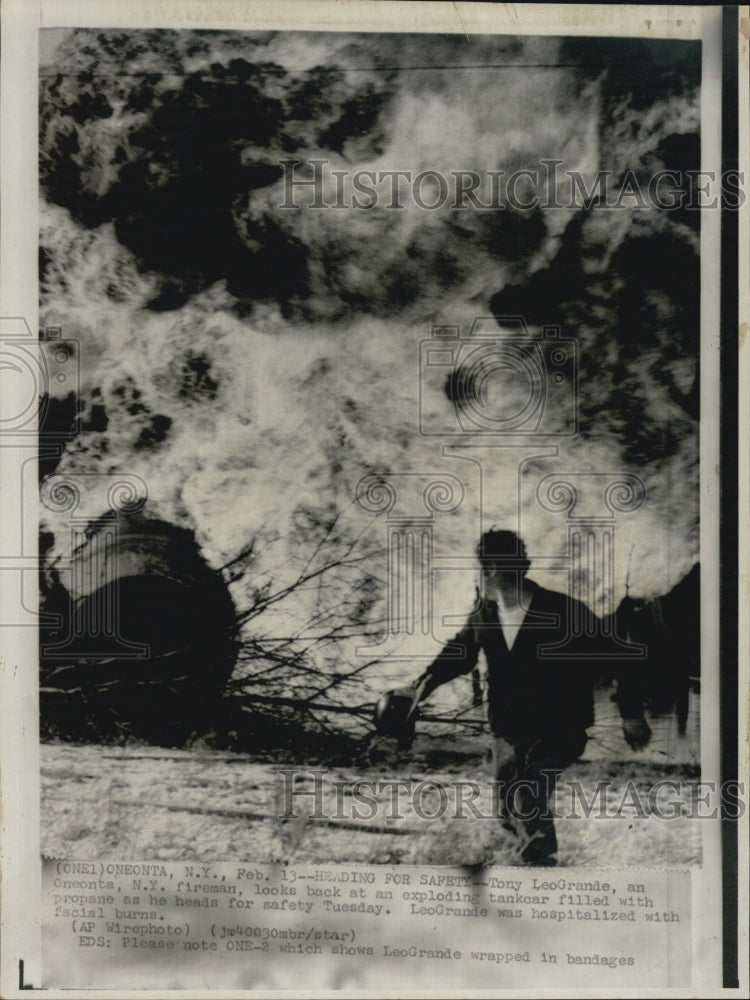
(396, 714)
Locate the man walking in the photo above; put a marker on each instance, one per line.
(541, 664)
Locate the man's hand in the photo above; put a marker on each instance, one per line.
(637, 732)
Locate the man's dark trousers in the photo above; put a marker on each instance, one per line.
(525, 787)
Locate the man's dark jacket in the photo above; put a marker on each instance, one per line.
(545, 682)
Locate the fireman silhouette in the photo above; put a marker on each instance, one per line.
(539, 701)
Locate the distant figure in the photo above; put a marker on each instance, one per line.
(539, 702)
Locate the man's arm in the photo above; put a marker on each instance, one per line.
(459, 656)
(397, 712)
(631, 677)
(631, 700)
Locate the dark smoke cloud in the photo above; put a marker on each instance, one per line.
(173, 158)
(177, 137)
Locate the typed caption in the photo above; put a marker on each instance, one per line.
(238, 925)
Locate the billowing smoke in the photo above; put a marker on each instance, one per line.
(253, 362)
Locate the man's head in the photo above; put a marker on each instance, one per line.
(502, 554)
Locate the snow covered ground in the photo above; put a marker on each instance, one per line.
(142, 802)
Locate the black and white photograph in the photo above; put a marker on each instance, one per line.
(386, 352)
(372, 470)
